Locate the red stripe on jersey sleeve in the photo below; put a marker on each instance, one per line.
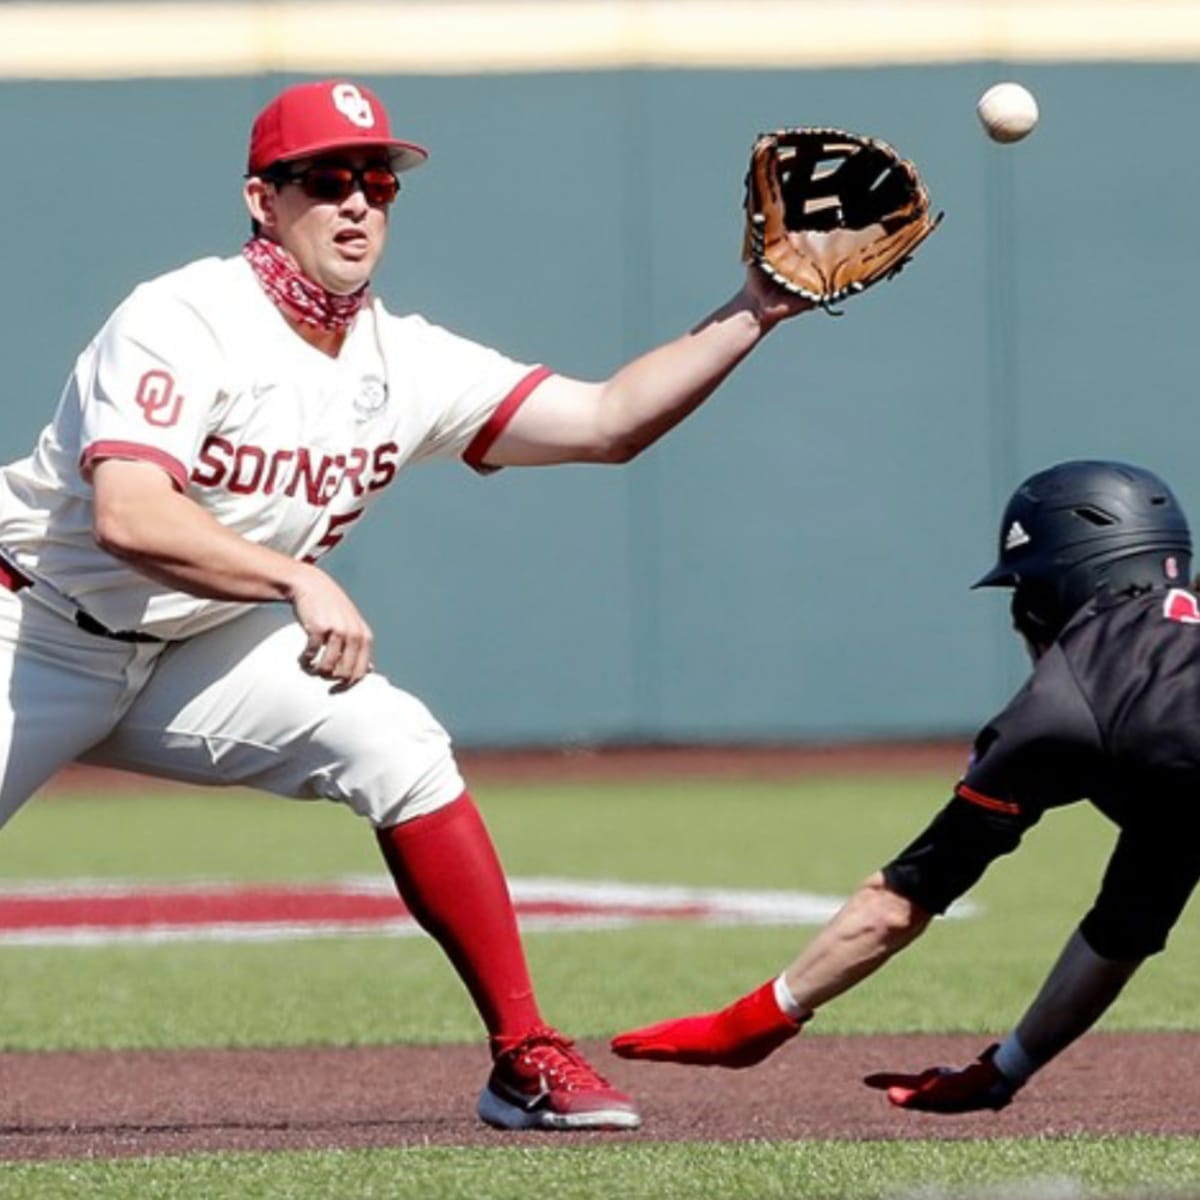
(494, 426)
(974, 797)
(99, 451)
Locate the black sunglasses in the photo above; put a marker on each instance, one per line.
(332, 184)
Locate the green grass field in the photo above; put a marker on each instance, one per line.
(818, 835)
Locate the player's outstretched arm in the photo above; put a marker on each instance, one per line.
(1078, 991)
(874, 924)
(570, 420)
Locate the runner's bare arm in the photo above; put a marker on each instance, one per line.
(872, 926)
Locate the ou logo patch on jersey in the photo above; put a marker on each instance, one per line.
(157, 398)
(354, 106)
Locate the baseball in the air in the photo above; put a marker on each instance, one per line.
(1008, 112)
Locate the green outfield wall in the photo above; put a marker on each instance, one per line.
(795, 561)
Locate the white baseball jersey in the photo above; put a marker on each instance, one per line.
(199, 373)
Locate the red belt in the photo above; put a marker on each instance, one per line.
(11, 579)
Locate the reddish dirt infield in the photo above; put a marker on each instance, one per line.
(101, 1105)
(115, 1105)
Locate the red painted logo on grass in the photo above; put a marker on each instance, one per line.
(76, 912)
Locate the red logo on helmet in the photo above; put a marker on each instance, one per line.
(157, 398)
(1182, 606)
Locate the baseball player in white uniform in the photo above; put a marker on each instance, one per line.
(163, 608)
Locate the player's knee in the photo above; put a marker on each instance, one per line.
(439, 785)
(390, 765)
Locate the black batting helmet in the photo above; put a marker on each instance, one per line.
(1083, 528)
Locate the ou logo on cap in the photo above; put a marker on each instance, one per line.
(353, 105)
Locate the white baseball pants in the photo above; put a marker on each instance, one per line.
(230, 706)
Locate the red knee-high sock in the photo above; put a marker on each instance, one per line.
(448, 873)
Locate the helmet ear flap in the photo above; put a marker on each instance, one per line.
(1035, 628)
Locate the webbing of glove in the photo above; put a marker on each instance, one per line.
(829, 213)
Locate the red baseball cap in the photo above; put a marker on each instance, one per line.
(311, 118)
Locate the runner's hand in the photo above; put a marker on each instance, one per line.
(980, 1085)
(739, 1035)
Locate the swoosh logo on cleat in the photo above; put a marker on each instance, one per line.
(543, 1094)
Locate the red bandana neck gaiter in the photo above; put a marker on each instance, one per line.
(294, 294)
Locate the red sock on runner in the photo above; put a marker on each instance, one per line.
(448, 873)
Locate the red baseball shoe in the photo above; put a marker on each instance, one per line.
(543, 1082)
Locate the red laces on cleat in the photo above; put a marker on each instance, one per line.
(551, 1058)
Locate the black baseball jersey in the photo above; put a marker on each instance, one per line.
(1111, 714)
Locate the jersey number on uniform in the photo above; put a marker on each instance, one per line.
(334, 532)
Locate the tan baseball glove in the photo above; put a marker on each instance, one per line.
(829, 213)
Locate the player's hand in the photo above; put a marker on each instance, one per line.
(740, 1035)
(980, 1085)
(770, 302)
(340, 642)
